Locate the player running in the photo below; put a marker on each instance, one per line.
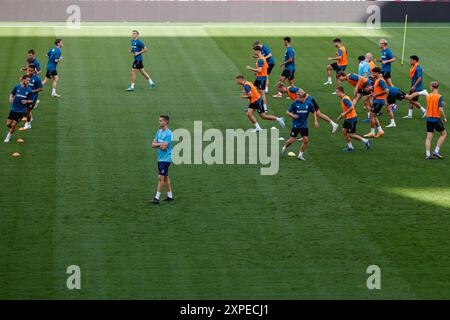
(36, 86)
(435, 111)
(379, 96)
(299, 111)
(18, 99)
(32, 60)
(351, 119)
(267, 53)
(292, 92)
(387, 57)
(163, 142)
(341, 60)
(256, 103)
(416, 75)
(54, 57)
(137, 49)
(261, 73)
(288, 65)
(359, 83)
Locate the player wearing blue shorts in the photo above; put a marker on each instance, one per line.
(288, 65)
(137, 49)
(267, 53)
(54, 57)
(36, 86)
(18, 99)
(299, 111)
(163, 142)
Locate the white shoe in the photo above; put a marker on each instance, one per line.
(335, 127)
(256, 130)
(328, 82)
(55, 95)
(391, 125)
(281, 123)
(407, 117)
(267, 90)
(424, 92)
(27, 126)
(35, 106)
(301, 158)
(278, 95)
(7, 139)
(283, 151)
(334, 92)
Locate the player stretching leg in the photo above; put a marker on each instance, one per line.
(163, 142)
(292, 92)
(36, 86)
(379, 96)
(265, 50)
(341, 60)
(435, 110)
(19, 98)
(416, 75)
(256, 103)
(54, 57)
(261, 73)
(351, 119)
(288, 65)
(299, 111)
(137, 49)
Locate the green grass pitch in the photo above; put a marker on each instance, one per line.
(80, 192)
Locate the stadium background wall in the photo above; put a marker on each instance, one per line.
(220, 11)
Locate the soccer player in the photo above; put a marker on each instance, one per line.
(341, 60)
(288, 65)
(379, 96)
(416, 75)
(32, 60)
(137, 49)
(18, 99)
(435, 110)
(358, 82)
(54, 57)
(256, 103)
(299, 111)
(36, 86)
(267, 53)
(351, 119)
(261, 72)
(292, 92)
(363, 67)
(387, 57)
(163, 142)
(369, 59)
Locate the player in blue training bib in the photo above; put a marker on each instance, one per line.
(54, 57)
(163, 142)
(138, 48)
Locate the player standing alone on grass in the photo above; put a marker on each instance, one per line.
(341, 60)
(137, 49)
(299, 111)
(163, 142)
(351, 119)
(387, 57)
(435, 110)
(288, 65)
(54, 57)
(19, 98)
(256, 103)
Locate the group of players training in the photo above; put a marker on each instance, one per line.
(371, 84)
(24, 96)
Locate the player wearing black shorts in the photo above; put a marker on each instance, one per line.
(434, 113)
(288, 66)
(138, 48)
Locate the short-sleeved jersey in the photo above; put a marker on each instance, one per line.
(292, 92)
(290, 53)
(346, 103)
(35, 83)
(20, 93)
(353, 78)
(164, 136)
(386, 54)
(364, 68)
(136, 46)
(265, 50)
(434, 104)
(250, 88)
(302, 109)
(53, 55)
(379, 86)
(418, 73)
(36, 64)
(342, 53)
(261, 63)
